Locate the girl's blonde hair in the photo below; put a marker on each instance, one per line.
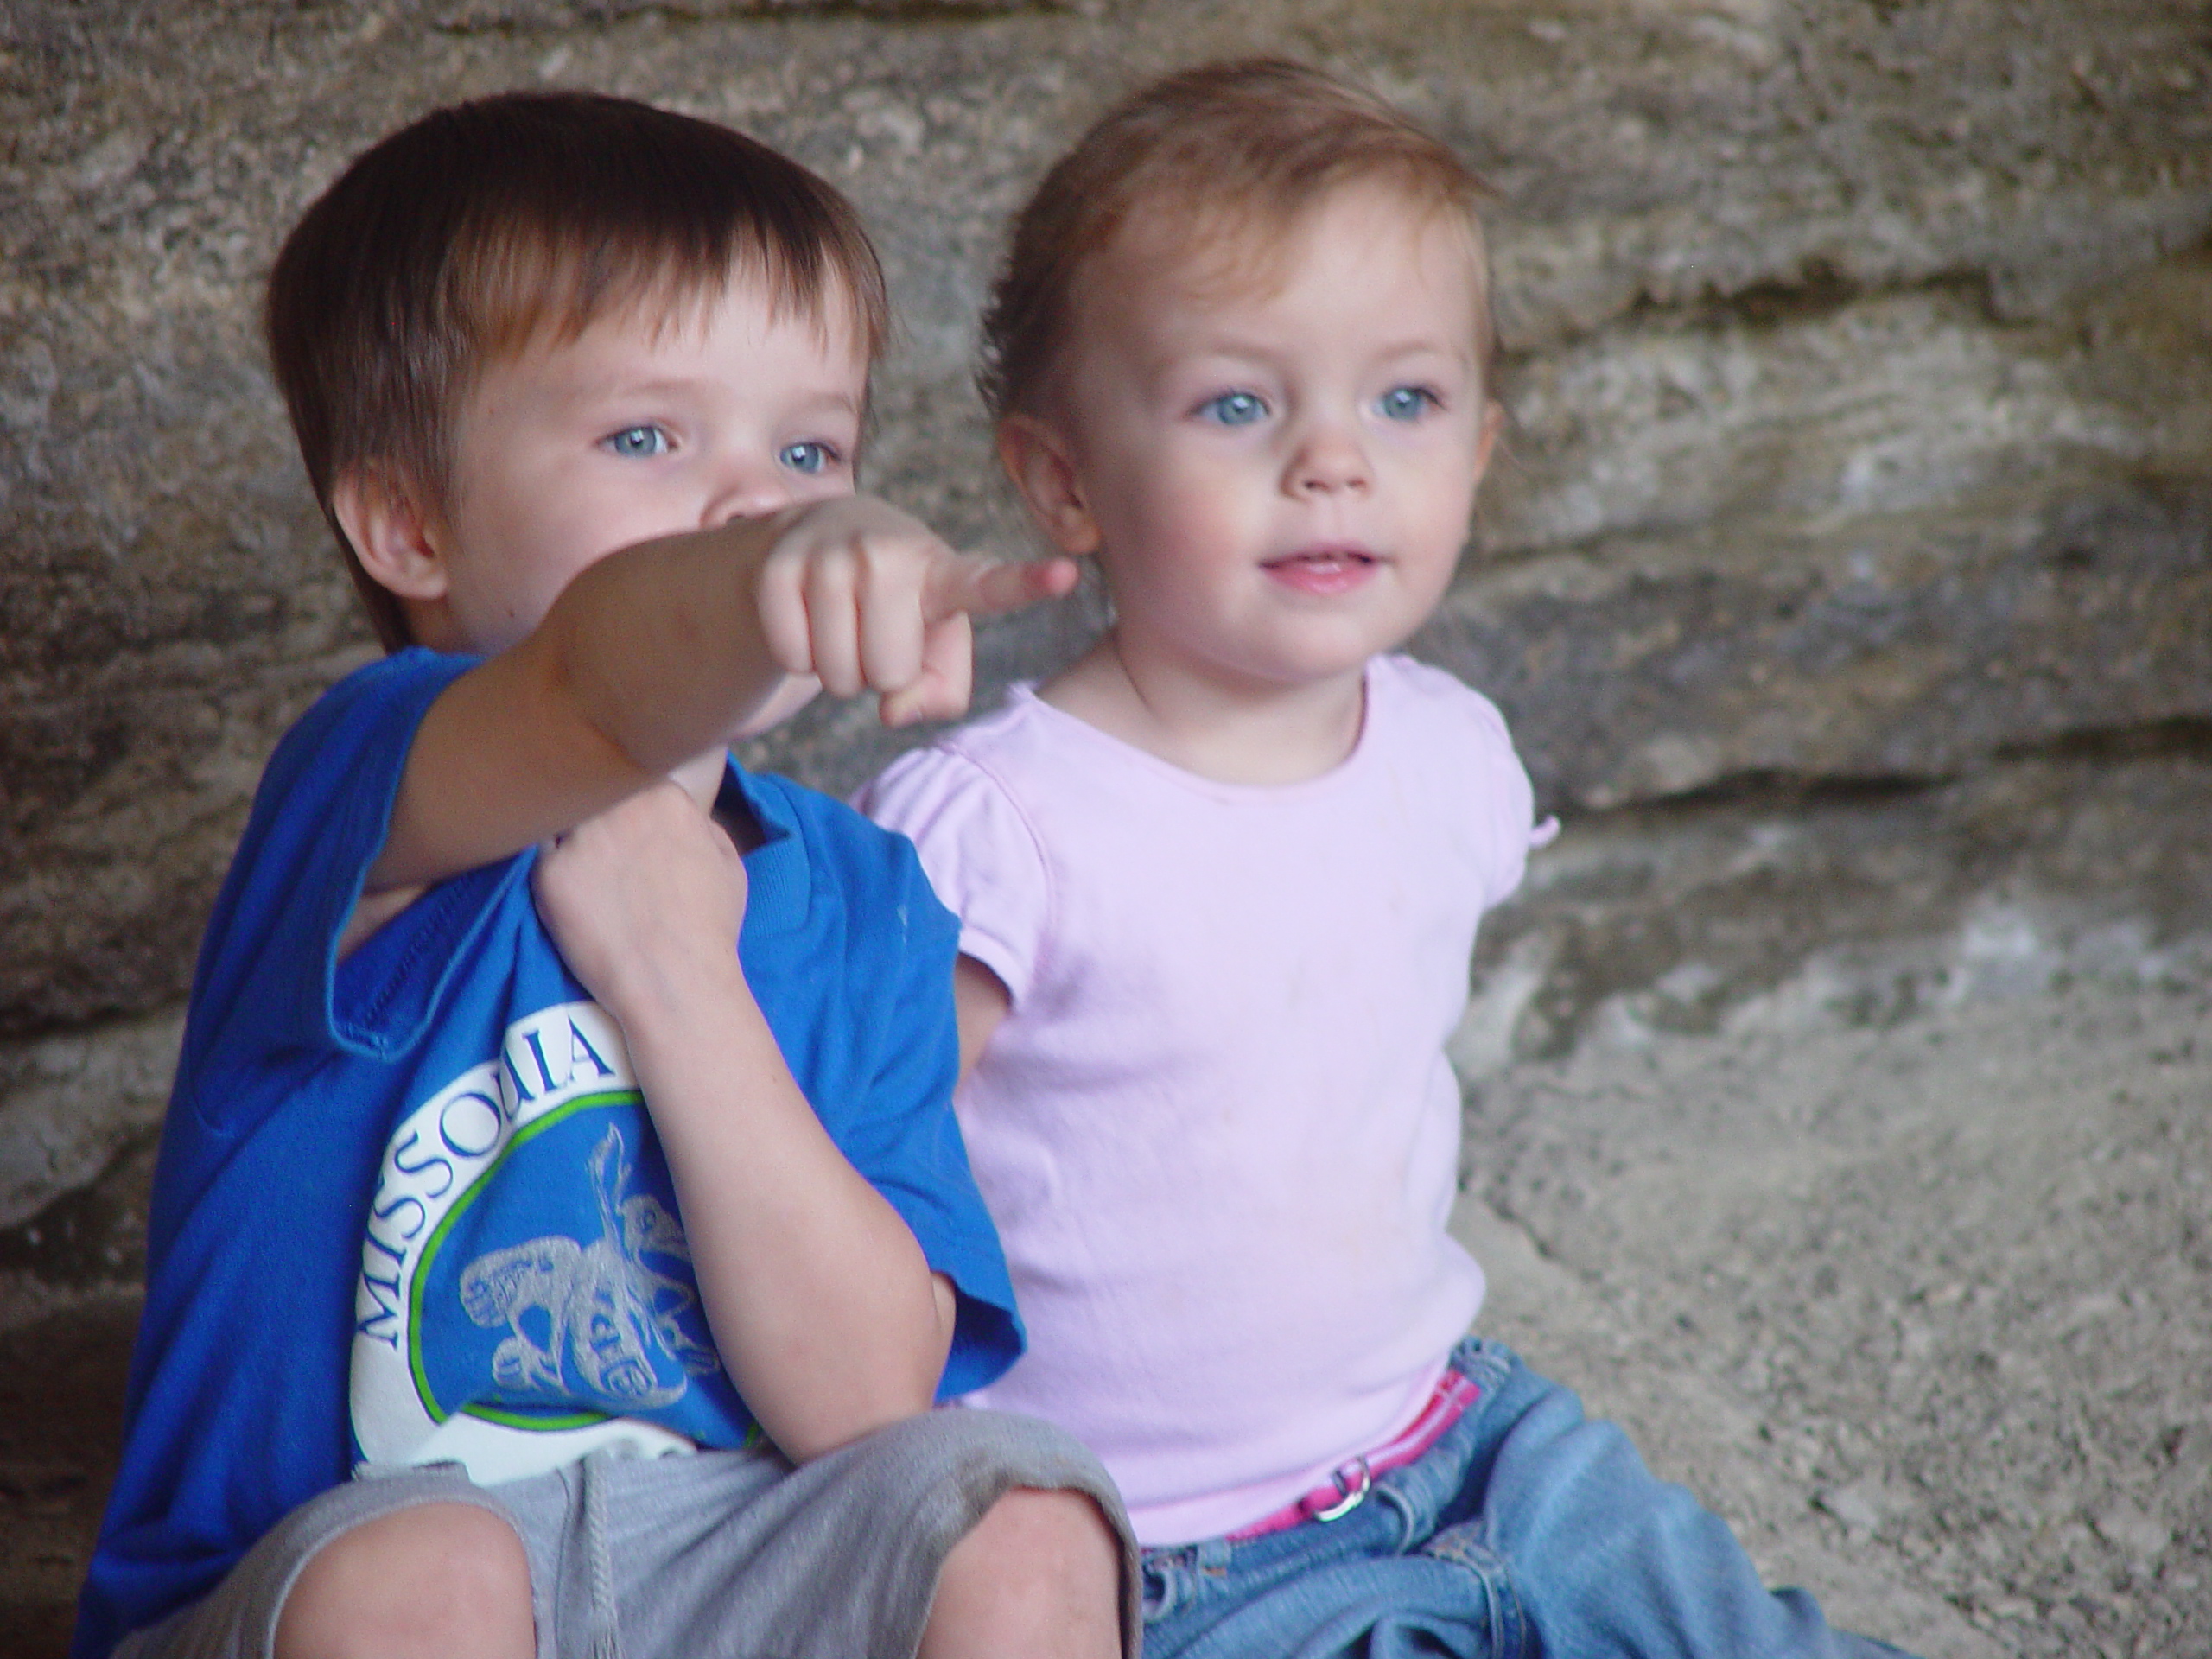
(1244, 148)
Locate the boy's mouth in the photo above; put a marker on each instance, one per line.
(1323, 570)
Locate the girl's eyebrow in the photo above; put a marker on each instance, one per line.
(1234, 350)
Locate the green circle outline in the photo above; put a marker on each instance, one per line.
(522, 1137)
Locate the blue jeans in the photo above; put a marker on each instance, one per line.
(1528, 1529)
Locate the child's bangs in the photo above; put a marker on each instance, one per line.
(518, 291)
(1210, 170)
(1226, 234)
(491, 226)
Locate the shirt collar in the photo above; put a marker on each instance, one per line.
(778, 884)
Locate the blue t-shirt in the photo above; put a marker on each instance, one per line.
(409, 1206)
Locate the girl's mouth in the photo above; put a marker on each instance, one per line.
(1323, 570)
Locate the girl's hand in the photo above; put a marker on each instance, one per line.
(644, 901)
(864, 598)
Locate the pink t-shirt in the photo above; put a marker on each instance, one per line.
(1217, 1130)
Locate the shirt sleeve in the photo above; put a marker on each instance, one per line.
(1486, 779)
(1505, 799)
(919, 1161)
(891, 1112)
(269, 973)
(236, 1410)
(981, 854)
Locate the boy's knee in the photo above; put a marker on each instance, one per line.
(1040, 1574)
(1049, 1535)
(438, 1578)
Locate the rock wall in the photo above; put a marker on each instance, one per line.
(1845, 577)
(1859, 353)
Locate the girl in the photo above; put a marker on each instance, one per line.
(1219, 885)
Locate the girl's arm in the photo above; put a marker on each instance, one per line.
(821, 1302)
(980, 1002)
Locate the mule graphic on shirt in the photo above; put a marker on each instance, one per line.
(604, 1308)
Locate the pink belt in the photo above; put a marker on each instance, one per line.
(1349, 1487)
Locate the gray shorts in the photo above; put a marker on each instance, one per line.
(722, 1553)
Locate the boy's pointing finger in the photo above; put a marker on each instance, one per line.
(971, 583)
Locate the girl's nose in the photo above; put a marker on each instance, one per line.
(1328, 460)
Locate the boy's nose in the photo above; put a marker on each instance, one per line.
(746, 492)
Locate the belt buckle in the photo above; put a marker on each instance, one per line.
(1352, 1493)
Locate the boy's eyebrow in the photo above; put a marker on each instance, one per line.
(591, 386)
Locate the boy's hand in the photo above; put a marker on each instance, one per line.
(864, 598)
(659, 652)
(823, 1306)
(644, 900)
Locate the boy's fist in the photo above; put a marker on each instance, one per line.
(864, 598)
(643, 899)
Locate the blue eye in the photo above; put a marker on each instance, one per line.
(1233, 409)
(1407, 403)
(637, 442)
(807, 457)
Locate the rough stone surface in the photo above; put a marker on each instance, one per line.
(60, 1416)
(1859, 354)
(1769, 910)
(1922, 1309)
(1846, 1147)
(1845, 577)
(69, 1104)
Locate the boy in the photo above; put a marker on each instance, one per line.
(542, 1249)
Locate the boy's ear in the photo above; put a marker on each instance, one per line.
(391, 534)
(1036, 458)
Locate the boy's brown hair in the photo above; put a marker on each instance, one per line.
(474, 231)
(1233, 147)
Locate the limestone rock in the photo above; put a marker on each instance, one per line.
(1858, 353)
(69, 1104)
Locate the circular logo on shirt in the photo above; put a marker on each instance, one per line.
(524, 1267)
(591, 1304)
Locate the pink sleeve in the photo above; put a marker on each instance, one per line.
(977, 850)
(1507, 800)
(1488, 780)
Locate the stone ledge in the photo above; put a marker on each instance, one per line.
(1920, 1307)
(69, 1104)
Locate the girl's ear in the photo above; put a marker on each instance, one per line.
(1036, 458)
(1493, 423)
(391, 534)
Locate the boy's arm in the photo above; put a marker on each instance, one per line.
(659, 652)
(821, 1302)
